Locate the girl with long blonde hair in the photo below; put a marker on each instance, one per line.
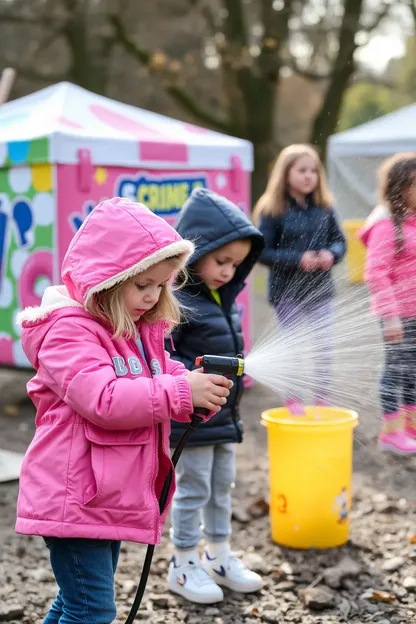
(303, 242)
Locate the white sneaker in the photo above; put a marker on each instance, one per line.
(192, 582)
(229, 571)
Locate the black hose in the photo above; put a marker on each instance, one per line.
(195, 422)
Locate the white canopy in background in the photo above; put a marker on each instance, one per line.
(72, 118)
(355, 155)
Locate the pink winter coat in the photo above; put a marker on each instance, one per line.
(391, 276)
(100, 453)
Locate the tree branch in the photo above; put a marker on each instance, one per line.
(49, 39)
(178, 93)
(342, 71)
(276, 31)
(14, 18)
(276, 23)
(207, 13)
(412, 6)
(130, 45)
(305, 73)
(191, 105)
(377, 81)
(316, 77)
(235, 27)
(378, 18)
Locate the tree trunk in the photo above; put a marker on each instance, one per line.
(90, 53)
(327, 119)
(261, 110)
(264, 155)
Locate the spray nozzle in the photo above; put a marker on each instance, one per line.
(221, 365)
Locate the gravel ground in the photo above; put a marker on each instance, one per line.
(309, 587)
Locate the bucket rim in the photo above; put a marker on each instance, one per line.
(349, 417)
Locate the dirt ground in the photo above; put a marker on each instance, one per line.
(308, 587)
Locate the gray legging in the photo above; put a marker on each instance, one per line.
(398, 383)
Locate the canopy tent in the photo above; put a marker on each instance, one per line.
(355, 155)
(64, 118)
(62, 150)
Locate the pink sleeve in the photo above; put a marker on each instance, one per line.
(378, 270)
(174, 367)
(80, 370)
(177, 369)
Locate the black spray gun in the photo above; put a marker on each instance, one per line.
(214, 364)
(217, 365)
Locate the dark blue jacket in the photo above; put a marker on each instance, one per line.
(212, 222)
(287, 238)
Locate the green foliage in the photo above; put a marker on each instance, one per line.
(364, 102)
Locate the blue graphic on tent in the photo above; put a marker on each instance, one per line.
(164, 194)
(22, 218)
(76, 219)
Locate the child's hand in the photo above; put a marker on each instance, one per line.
(326, 260)
(209, 391)
(309, 261)
(393, 329)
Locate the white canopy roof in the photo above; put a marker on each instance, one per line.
(386, 135)
(117, 134)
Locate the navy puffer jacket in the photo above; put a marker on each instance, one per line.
(212, 222)
(288, 237)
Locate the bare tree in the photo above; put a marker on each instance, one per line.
(246, 47)
(254, 42)
(73, 40)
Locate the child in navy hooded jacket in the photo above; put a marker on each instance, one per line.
(227, 247)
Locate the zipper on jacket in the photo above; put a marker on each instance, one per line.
(238, 382)
(156, 468)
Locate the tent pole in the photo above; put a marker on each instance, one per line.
(8, 76)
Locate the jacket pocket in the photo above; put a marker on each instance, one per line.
(121, 469)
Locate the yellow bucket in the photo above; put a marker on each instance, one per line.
(310, 462)
(356, 252)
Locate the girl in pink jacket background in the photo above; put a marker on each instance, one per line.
(390, 237)
(105, 391)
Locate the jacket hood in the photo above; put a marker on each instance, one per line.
(119, 239)
(213, 221)
(380, 213)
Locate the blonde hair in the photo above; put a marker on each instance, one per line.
(108, 305)
(273, 200)
(395, 175)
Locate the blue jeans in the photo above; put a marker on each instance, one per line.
(204, 478)
(84, 571)
(398, 383)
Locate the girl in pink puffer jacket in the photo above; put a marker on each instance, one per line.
(105, 391)
(390, 237)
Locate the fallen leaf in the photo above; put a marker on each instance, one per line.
(377, 595)
(412, 539)
(259, 508)
(10, 410)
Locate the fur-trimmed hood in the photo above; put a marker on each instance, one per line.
(380, 213)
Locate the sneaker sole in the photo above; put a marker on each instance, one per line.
(394, 450)
(191, 597)
(237, 587)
